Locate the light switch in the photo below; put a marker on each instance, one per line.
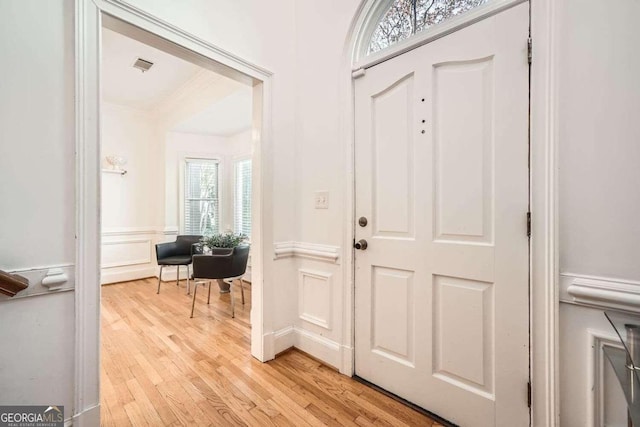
(322, 200)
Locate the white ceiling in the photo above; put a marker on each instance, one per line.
(124, 85)
(226, 117)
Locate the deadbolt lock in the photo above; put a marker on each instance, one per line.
(363, 221)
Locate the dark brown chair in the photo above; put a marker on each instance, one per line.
(221, 264)
(177, 253)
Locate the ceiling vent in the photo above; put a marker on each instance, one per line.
(142, 64)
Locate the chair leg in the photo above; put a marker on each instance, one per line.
(233, 300)
(242, 290)
(193, 303)
(188, 287)
(160, 278)
(209, 296)
(177, 275)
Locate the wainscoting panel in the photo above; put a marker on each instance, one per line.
(590, 394)
(126, 252)
(315, 297)
(129, 253)
(606, 402)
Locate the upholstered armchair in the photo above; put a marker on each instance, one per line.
(221, 264)
(178, 253)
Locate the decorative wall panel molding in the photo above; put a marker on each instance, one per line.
(45, 280)
(121, 253)
(127, 274)
(129, 231)
(601, 292)
(128, 252)
(314, 251)
(314, 297)
(603, 394)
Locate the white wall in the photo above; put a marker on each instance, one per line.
(132, 204)
(321, 148)
(599, 185)
(37, 193)
(133, 200)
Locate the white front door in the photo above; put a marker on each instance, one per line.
(442, 309)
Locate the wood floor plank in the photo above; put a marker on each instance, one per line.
(162, 368)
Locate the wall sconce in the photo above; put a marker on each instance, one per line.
(116, 163)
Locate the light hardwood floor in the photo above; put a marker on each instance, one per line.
(159, 367)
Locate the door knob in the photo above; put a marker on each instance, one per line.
(361, 244)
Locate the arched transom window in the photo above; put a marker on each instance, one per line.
(405, 18)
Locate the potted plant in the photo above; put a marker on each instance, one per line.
(218, 242)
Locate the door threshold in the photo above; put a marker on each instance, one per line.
(405, 402)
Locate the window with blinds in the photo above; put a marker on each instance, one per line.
(201, 197)
(242, 209)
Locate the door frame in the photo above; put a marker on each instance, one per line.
(543, 260)
(88, 29)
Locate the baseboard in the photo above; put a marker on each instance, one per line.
(322, 348)
(284, 339)
(108, 276)
(87, 418)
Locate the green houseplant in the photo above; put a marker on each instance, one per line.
(223, 240)
(226, 240)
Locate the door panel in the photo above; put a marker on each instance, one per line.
(392, 197)
(463, 146)
(442, 176)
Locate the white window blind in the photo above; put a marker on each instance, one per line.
(201, 202)
(242, 209)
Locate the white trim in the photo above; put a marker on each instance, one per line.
(377, 9)
(130, 231)
(600, 292)
(88, 418)
(146, 260)
(88, 16)
(307, 317)
(284, 339)
(88, 177)
(170, 231)
(544, 239)
(183, 158)
(234, 161)
(36, 277)
(544, 209)
(315, 251)
(596, 360)
(322, 348)
(110, 277)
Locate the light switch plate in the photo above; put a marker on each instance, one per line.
(322, 200)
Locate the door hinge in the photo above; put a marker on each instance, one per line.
(529, 50)
(528, 224)
(529, 394)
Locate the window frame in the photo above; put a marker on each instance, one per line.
(375, 11)
(235, 161)
(182, 177)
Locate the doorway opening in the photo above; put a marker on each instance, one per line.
(180, 156)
